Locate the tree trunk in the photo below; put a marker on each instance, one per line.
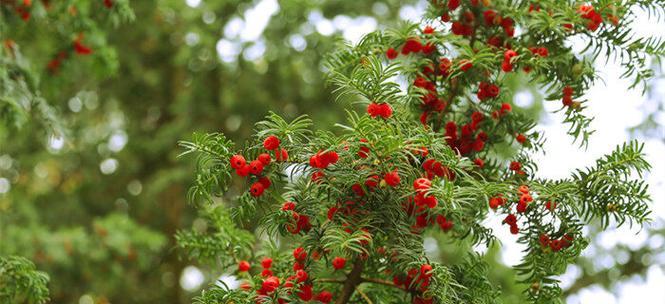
(353, 279)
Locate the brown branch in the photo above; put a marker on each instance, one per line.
(364, 296)
(380, 281)
(352, 280)
(330, 280)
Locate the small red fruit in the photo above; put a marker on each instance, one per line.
(243, 266)
(338, 263)
(264, 158)
(255, 167)
(256, 189)
(271, 143)
(392, 178)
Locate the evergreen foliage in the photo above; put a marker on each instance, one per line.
(368, 191)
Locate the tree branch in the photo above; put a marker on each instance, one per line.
(352, 281)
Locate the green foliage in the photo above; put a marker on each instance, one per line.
(218, 240)
(20, 282)
(353, 212)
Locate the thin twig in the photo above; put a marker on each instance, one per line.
(362, 294)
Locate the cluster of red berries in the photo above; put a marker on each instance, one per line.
(434, 168)
(540, 51)
(467, 24)
(507, 64)
(413, 45)
(299, 282)
(421, 186)
(383, 110)
(556, 244)
(525, 199)
(511, 220)
(77, 46)
(81, 48)
(594, 19)
(497, 201)
(516, 167)
(420, 206)
(469, 141)
(567, 96)
(322, 160)
(487, 91)
(504, 110)
(416, 280)
(299, 222)
(257, 166)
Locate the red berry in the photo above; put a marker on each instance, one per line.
(358, 190)
(243, 266)
(255, 167)
(256, 189)
(266, 273)
(305, 293)
(264, 158)
(489, 16)
(506, 66)
(505, 107)
(281, 155)
(426, 270)
(392, 178)
(515, 166)
(521, 206)
(324, 297)
(550, 206)
(544, 240)
(243, 171)
(270, 284)
(520, 138)
(514, 229)
(422, 184)
(265, 181)
(465, 65)
(508, 55)
(453, 4)
(266, 262)
(331, 213)
(479, 162)
(271, 143)
(428, 30)
(391, 53)
(299, 254)
(288, 206)
(301, 276)
(237, 161)
(510, 219)
(338, 263)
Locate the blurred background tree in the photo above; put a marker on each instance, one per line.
(90, 187)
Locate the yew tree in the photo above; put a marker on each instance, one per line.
(341, 216)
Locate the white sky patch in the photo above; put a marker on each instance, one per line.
(191, 278)
(108, 166)
(56, 143)
(193, 3)
(257, 19)
(230, 281)
(117, 141)
(227, 50)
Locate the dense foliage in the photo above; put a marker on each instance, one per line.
(342, 214)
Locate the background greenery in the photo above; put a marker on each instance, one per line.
(95, 192)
